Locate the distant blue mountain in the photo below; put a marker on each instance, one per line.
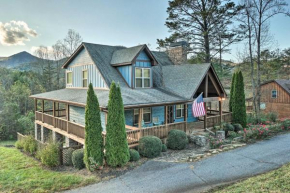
(18, 60)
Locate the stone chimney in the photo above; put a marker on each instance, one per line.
(177, 52)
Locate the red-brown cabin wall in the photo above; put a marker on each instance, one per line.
(280, 105)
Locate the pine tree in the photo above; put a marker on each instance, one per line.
(232, 92)
(117, 151)
(239, 105)
(94, 150)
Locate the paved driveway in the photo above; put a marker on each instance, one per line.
(154, 176)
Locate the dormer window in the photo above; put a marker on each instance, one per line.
(69, 78)
(142, 77)
(85, 78)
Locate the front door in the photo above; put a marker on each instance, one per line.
(170, 114)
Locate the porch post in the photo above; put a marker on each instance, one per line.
(140, 118)
(53, 113)
(205, 96)
(67, 116)
(221, 110)
(166, 115)
(185, 117)
(42, 107)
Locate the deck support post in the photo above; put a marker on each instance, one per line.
(56, 137)
(205, 96)
(69, 142)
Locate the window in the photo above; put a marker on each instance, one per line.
(274, 93)
(179, 111)
(85, 78)
(146, 115)
(69, 78)
(142, 78)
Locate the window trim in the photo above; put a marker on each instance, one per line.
(84, 78)
(143, 115)
(142, 77)
(182, 112)
(67, 77)
(272, 94)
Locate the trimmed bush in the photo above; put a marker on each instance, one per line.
(19, 144)
(67, 158)
(134, 155)
(93, 131)
(164, 148)
(78, 159)
(29, 145)
(272, 116)
(117, 150)
(177, 139)
(150, 146)
(238, 127)
(49, 156)
(228, 127)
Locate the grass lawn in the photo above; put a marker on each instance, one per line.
(9, 142)
(21, 173)
(274, 181)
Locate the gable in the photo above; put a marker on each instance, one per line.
(82, 58)
(143, 60)
(266, 93)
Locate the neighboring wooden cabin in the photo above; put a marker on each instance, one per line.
(275, 97)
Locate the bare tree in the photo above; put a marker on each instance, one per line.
(58, 55)
(71, 42)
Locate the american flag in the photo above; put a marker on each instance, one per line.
(198, 109)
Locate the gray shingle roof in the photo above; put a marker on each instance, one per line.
(131, 97)
(184, 79)
(125, 55)
(162, 58)
(285, 84)
(101, 55)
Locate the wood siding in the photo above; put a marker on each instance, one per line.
(83, 62)
(280, 105)
(266, 93)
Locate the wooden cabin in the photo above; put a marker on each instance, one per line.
(275, 97)
(157, 92)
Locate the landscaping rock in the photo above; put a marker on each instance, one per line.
(199, 140)
(220, 135)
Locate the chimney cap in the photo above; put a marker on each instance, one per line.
(180, 43)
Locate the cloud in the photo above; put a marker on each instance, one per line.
(15, 33)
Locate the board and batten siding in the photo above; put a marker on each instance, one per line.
(159, 112)
(126, 72)
(77, 115)
(84, 62)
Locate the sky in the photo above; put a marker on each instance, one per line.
(31, 23)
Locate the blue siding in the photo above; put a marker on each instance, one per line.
(143, 64)
(143, 56)
(77, 115)
(83, 62)
(159, 112)
(126, 72)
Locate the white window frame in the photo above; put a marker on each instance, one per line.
(142, 77)
(67, 72)
(272, 94)
(182, 110)
(136, 112)
(85, 70)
